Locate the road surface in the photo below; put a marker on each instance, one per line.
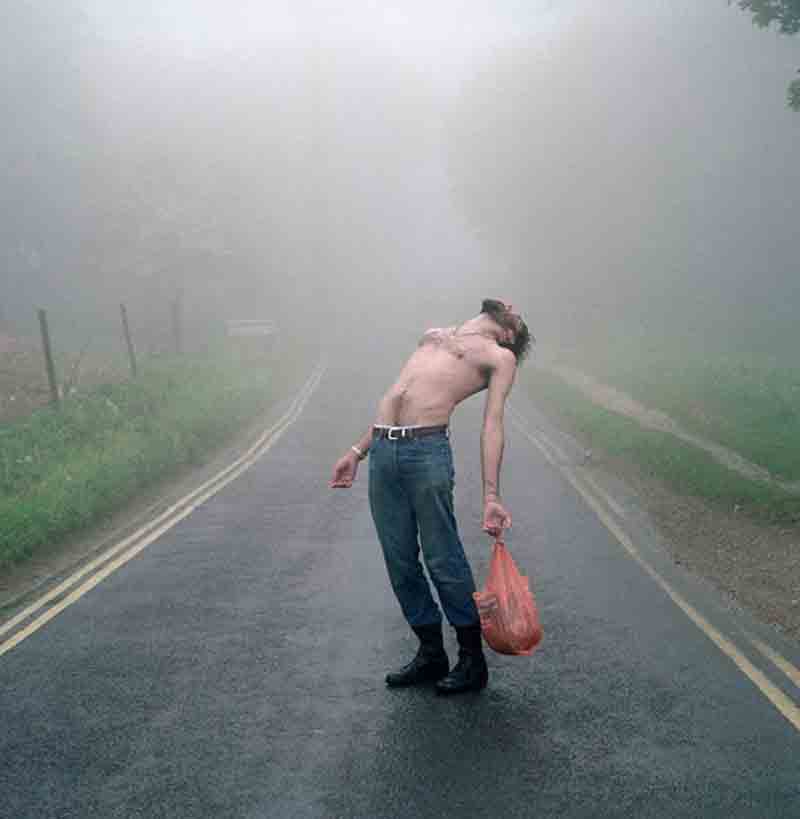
(234, 667)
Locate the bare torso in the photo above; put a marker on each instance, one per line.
(449, 365)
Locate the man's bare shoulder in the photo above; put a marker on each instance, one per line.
(435, 334)
(503, 360)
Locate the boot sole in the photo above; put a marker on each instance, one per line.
(423, 679)
(478, 686)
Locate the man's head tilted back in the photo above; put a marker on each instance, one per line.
(502, 314)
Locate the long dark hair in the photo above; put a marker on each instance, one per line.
(523, 339)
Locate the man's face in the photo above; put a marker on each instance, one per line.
(509, 321)
(514, 332)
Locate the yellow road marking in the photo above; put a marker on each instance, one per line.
(90, 584)
(89, 567)
(144, 536)
(785, 706)
(562, 458)
(610, 502)
(791, 671)
(554, 450)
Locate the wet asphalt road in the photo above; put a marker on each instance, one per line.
(235, 669)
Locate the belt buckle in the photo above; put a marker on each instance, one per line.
(395, 437)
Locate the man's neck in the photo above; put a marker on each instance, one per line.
(481, 325)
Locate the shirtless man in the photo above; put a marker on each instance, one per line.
(411, 484)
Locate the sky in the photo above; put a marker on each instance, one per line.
(412, 26)
(332, 161)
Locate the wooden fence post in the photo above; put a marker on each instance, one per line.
(48, 357)
(177, 329)
(128, 340)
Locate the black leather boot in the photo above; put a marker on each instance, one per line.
(471, 672)
(431, 662)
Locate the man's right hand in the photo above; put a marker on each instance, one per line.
(344, 471)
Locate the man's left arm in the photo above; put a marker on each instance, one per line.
(495, 516)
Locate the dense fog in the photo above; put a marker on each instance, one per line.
(624, 168)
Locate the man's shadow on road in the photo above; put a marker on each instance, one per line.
(430, 752)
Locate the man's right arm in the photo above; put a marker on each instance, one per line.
(346, 468)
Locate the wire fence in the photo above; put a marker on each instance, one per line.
(35, 372)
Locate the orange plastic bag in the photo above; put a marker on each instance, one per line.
(508, 612)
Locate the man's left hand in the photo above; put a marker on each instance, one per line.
(496, 518)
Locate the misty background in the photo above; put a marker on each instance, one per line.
(356, 171)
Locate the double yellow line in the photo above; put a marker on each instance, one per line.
(32, 618)
(603, 505)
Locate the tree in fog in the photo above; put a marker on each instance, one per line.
(786, 14)
(44, 129)
(625, 186)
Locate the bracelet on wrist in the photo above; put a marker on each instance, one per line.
(360, 452)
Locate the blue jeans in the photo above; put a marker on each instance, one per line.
(411, 499)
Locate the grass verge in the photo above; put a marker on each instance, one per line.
(750, 404)
(62, 470)
(686, 469)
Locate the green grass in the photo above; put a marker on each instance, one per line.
(750, 404)
(61, 470)
(686, 469)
